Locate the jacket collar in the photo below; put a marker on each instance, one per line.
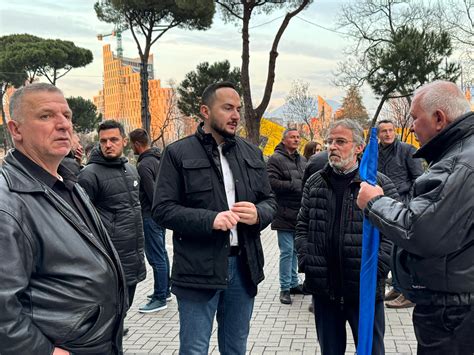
(280, 148)
(17, 176)
(452, 134)
(208, 140)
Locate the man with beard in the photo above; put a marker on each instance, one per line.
(213, 192)
(329, 242)
(113, 187)
(434, 233)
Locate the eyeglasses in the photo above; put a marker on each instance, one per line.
(338, 142)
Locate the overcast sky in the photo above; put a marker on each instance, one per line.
(307, 52)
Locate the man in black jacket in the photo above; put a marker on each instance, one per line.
(62, 286)
(329, 242)
(213, 192)
(155, 245)
(285, 170)
(396, 161)
(113, 187)
(434, 233)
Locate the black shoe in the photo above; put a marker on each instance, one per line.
(298, 290)
(125, 331)
(311, 308)
(285, 297)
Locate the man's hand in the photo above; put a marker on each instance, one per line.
(78, 152)
(225, 220)
(246, 211)
(59, 351)
(366, 193)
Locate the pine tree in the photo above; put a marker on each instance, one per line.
(353, 108)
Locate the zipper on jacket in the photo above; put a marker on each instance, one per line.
(137, 223)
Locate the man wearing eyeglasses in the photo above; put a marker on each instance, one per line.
(329, 242)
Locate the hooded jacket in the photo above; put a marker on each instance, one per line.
(434, 233)
(285, 172)
(61, 283)
(147, 165)
(112, 185)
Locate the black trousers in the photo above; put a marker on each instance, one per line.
(331, 320)
(444, 330)
(131, 294)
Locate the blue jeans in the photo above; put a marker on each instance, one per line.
(288, 260)
(234, 309)
(157, 256)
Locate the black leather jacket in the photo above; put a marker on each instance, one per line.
(328, 270)
(61, 285)
(190, 193)
(434, 233)
(113, 187)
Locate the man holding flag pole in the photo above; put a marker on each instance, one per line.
(329, 242)
(434, 232)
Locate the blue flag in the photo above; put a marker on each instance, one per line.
(370, 248)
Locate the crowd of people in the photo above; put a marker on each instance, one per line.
(74, 237)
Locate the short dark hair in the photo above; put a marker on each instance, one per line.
(209, 93)
(139, 135)
(288, 130)
(111, 124)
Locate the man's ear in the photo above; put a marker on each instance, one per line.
(125, 141)
(13, 127)
(441, 120)
(204, 110)
(359, 148)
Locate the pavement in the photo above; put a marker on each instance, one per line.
(275, 328)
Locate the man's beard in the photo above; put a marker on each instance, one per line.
(221, 131)
(342, 163)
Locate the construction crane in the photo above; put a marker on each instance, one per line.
(117, 33)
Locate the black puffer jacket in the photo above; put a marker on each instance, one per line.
(112, 185)
(396, 161)
(434, 233)
(61, 285)
(285, 173)
(148, 165)
(190, 193)
(313, 233)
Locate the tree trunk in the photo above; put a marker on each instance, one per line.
(7, 139)
(145, 111)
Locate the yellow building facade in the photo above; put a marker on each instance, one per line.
(120, 98)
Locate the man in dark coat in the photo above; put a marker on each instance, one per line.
(155, 245)
(62, 289)
(113, 187)
(285, 170)
(329, 242)
(434, 232)
(396, 161)
(213, 192)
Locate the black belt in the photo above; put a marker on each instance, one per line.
(234, 250)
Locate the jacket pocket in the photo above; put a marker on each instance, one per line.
(197, 175)
(255, 171)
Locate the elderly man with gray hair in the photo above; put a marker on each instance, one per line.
(329, 242)
(434, 233)
(62, 285)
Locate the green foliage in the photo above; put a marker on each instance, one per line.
(51, 58)
(195, 82)
(410, 59)
(84, 114)
(148, 21)
(353, 108)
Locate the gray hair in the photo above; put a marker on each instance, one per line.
(386, 120)
(352, 125)
(288, 130)
(16, 100)
(442, 95)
